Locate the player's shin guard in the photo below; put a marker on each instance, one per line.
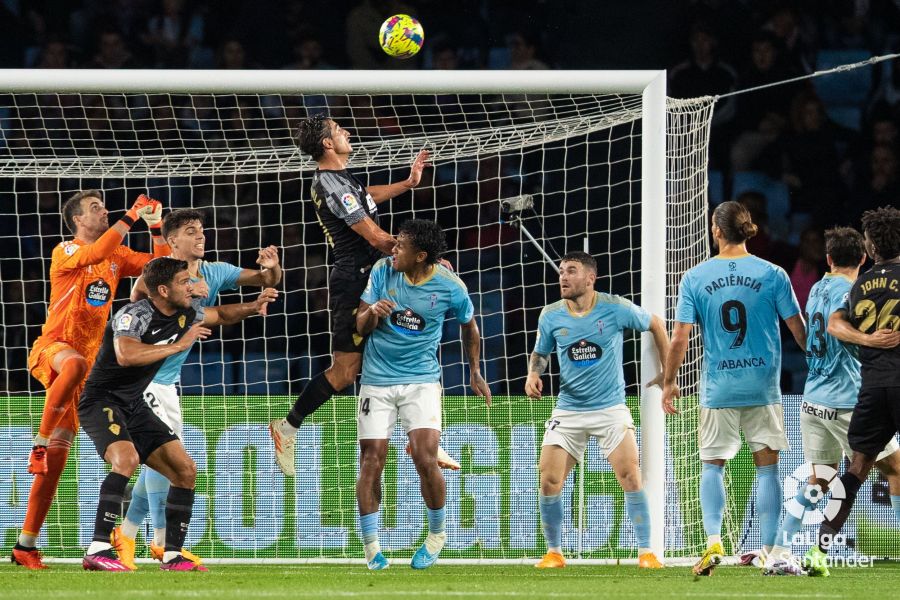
(831, 527)
(768, 503)
(551, 521)
(315, 394)
(43, 487)
(109, 506)
(179, 506)
(639, 512)
(712, 498)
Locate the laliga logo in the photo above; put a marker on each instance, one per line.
(814, 493)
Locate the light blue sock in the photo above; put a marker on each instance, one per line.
(790, 524)
(768, 503)
(140, 504)
(436, 520)
(895, 502)
(368, 526)
(712, 498)
(157, 492)
(551, 520)
(639, 512)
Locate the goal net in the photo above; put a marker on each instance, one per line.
(602, 166)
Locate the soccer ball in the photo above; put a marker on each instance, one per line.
(401, 36)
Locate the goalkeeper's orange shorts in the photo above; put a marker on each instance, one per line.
(40, 363)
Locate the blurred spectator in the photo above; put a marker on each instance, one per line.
(232, 55)
(363, 22)
(112, 53)
(762, 244)
(797, 33)
(881, 187)
(523, 51)
(174, 35)
(54, 55)
(308, 54)
(761, 149)
(810, 265)
(766, 66)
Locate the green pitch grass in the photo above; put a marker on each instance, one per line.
(247, 582)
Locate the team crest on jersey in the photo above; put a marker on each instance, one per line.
(114, 269)
(349, 202)
(181, 321)
(407, 322)
(97, 293)
(433, 300)
(114, 428)
(584, 353)
(600, 326)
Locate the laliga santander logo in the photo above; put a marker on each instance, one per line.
(814, 493)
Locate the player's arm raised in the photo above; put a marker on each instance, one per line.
(368, 315)
(269, 275)
(380, 193)
(132, 352)
(375, 235)
(537, 365)
(471, 338)
(681, 335)
(839, 326)
(229, 314)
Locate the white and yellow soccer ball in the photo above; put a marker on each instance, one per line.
(401, 36)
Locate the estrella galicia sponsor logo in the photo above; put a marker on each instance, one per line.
(97, 293)
(584, 353)
(407, 322)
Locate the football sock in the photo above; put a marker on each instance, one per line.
(315, 394)
(712, 498)
(830, 527)
(436, 536)
(159, 536)
(27, 540)
(768, 503)
(157, 496)
(895, 502)
(368, 527)
(43, 488)
(551, 521)
(179, 506)
(639, 512)
(138, 507)
(109, 506)
(790, 524)
(61, 394)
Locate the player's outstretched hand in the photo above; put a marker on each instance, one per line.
(196, 332)
(268, 257)
(267, 296)
(382, 308)
(480, 387)
(669, 395)
(534, 386)
(415, 171)
(884, 339)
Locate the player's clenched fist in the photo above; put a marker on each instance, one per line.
(382, 308)
(268, 257)
(267, 296)
(534, 386)
(144, 205)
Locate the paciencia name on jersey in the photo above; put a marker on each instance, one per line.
(733, 280)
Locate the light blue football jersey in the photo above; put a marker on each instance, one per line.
(589, 349)
(737, 302)
(834, 377)
(219, 276)
(403, 347)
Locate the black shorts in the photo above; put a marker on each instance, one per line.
(106, 421)
(875, 419)
(344, 290)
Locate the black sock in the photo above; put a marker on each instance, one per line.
(315, 394)
(109, 506)
(179, 506)
(831, 527)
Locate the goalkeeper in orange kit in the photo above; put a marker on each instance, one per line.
(84, 275)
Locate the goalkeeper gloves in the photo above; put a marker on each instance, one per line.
(154, 217)
(148, 209)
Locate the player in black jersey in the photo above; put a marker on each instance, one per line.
(348, 213)
(123, 427)
(873, 306)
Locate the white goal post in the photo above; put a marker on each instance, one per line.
(654, 270)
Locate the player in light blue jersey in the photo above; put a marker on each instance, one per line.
(831, 391)
(183, 229)
(402, 311)
(585, 330)
(737, 300)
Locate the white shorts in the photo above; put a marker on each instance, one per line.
(417, 404)
(572, 430)
(163, 400)
(720, 430)
(824, 432)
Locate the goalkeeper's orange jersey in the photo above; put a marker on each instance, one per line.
(83, 282)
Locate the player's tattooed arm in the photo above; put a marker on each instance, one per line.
(536, 367)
